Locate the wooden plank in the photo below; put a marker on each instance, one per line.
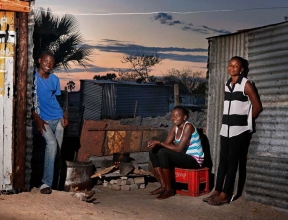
(14, 6)
(7, 48)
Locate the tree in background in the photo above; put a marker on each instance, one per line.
(139, 67)
(189, 81)
(61, 36)
(109, 76)
(71, 85)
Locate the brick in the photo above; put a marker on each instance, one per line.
(139, 180)
(126, 187)
(133, 187)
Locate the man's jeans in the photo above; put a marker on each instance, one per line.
(54, 137)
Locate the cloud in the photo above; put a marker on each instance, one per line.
(221, 31)
(187, 57)
(173, 53)
(110, 45)
(198, 30)
(167, 19)
(90, 68)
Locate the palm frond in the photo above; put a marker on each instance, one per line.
(61, 36)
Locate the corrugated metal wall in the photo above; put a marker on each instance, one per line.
(266, 49)
(113, 99)
(90, 99)
(267, 179)
(221, 49)
(148, 100)
(109, 101)
(29, 131)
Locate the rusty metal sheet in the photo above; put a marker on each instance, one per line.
(134, 141)
(115, 142)
(109, 142)
(119, 144)
(150, 135)
(91, 141)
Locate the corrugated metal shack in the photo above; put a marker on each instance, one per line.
(266, 49)
(118, 99)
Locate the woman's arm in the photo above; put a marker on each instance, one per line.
(188, 130)
(254, 98)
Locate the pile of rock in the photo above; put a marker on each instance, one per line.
(125, 183)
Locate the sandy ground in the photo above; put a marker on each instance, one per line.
(112, 205)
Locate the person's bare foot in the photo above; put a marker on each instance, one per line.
(157, 191)
(212, 196)
(166, 194)
(221, 199)
(217, 202)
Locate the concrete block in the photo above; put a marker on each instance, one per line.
(139, 180)
(126, 187)
(97, 161)
(130, 181)
(134, 187)
(142, 186)
(121, 182)
(115, 187)
(140, 157)
(113, 181)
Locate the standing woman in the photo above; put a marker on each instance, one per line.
(242, 105)
(182, 148)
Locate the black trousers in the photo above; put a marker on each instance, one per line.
(166, 159)
(233, 152)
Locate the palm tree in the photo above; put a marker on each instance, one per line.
(61, 36)
(71, 85)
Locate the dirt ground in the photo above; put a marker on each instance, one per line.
(112, 205)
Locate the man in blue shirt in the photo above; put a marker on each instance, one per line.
(48, 115)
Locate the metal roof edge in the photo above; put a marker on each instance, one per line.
(247, 30)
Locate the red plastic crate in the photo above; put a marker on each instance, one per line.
(193, 178)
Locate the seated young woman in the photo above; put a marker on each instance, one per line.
(182, 148)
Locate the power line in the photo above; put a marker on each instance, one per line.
(167, 12)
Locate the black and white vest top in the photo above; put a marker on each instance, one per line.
(237, 113)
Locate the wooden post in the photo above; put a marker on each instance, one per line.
(66, 106)
(21, 110)
(176, 95)
(135, 109)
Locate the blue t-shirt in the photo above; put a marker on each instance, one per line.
(45, 102)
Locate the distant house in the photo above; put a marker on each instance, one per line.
(266, 49)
